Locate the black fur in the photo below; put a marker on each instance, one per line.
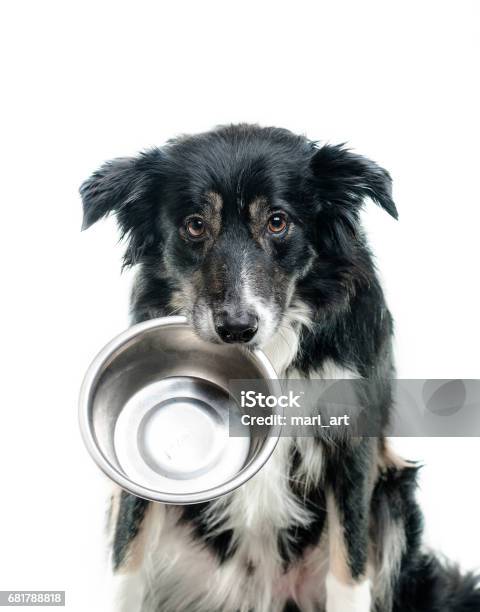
(220, 543)
(428, 585)
(129, 520)
(293, 541)
(348, 473)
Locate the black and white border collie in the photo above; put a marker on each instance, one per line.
(254, 234)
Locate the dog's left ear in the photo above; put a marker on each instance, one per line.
(127, 187)
(346, 179)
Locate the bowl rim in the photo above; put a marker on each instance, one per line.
(90, 379)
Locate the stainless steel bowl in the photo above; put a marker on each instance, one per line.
(156, 412)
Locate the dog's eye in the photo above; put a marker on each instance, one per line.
(277, 223)
(195, 227)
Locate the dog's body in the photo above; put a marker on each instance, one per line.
(254, 234)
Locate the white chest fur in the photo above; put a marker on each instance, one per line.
(184, 575)
(188, 577)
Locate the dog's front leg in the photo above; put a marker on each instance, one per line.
(129, 522)
(125, 592)
(348, 502)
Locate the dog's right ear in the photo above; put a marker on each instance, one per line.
(128, 187)
(122, 186)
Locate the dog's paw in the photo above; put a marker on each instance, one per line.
(347, 597)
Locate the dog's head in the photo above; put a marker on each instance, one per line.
(238, 220)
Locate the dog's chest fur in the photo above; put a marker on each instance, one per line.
(259, 518)
(244, 553)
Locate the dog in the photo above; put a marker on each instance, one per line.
(254, 234)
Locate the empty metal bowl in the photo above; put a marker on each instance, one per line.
(156, 413)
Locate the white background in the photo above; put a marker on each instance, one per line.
(86, 81)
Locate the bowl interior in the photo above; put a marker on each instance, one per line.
(167, 390)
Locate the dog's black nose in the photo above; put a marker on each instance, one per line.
(236, 327)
